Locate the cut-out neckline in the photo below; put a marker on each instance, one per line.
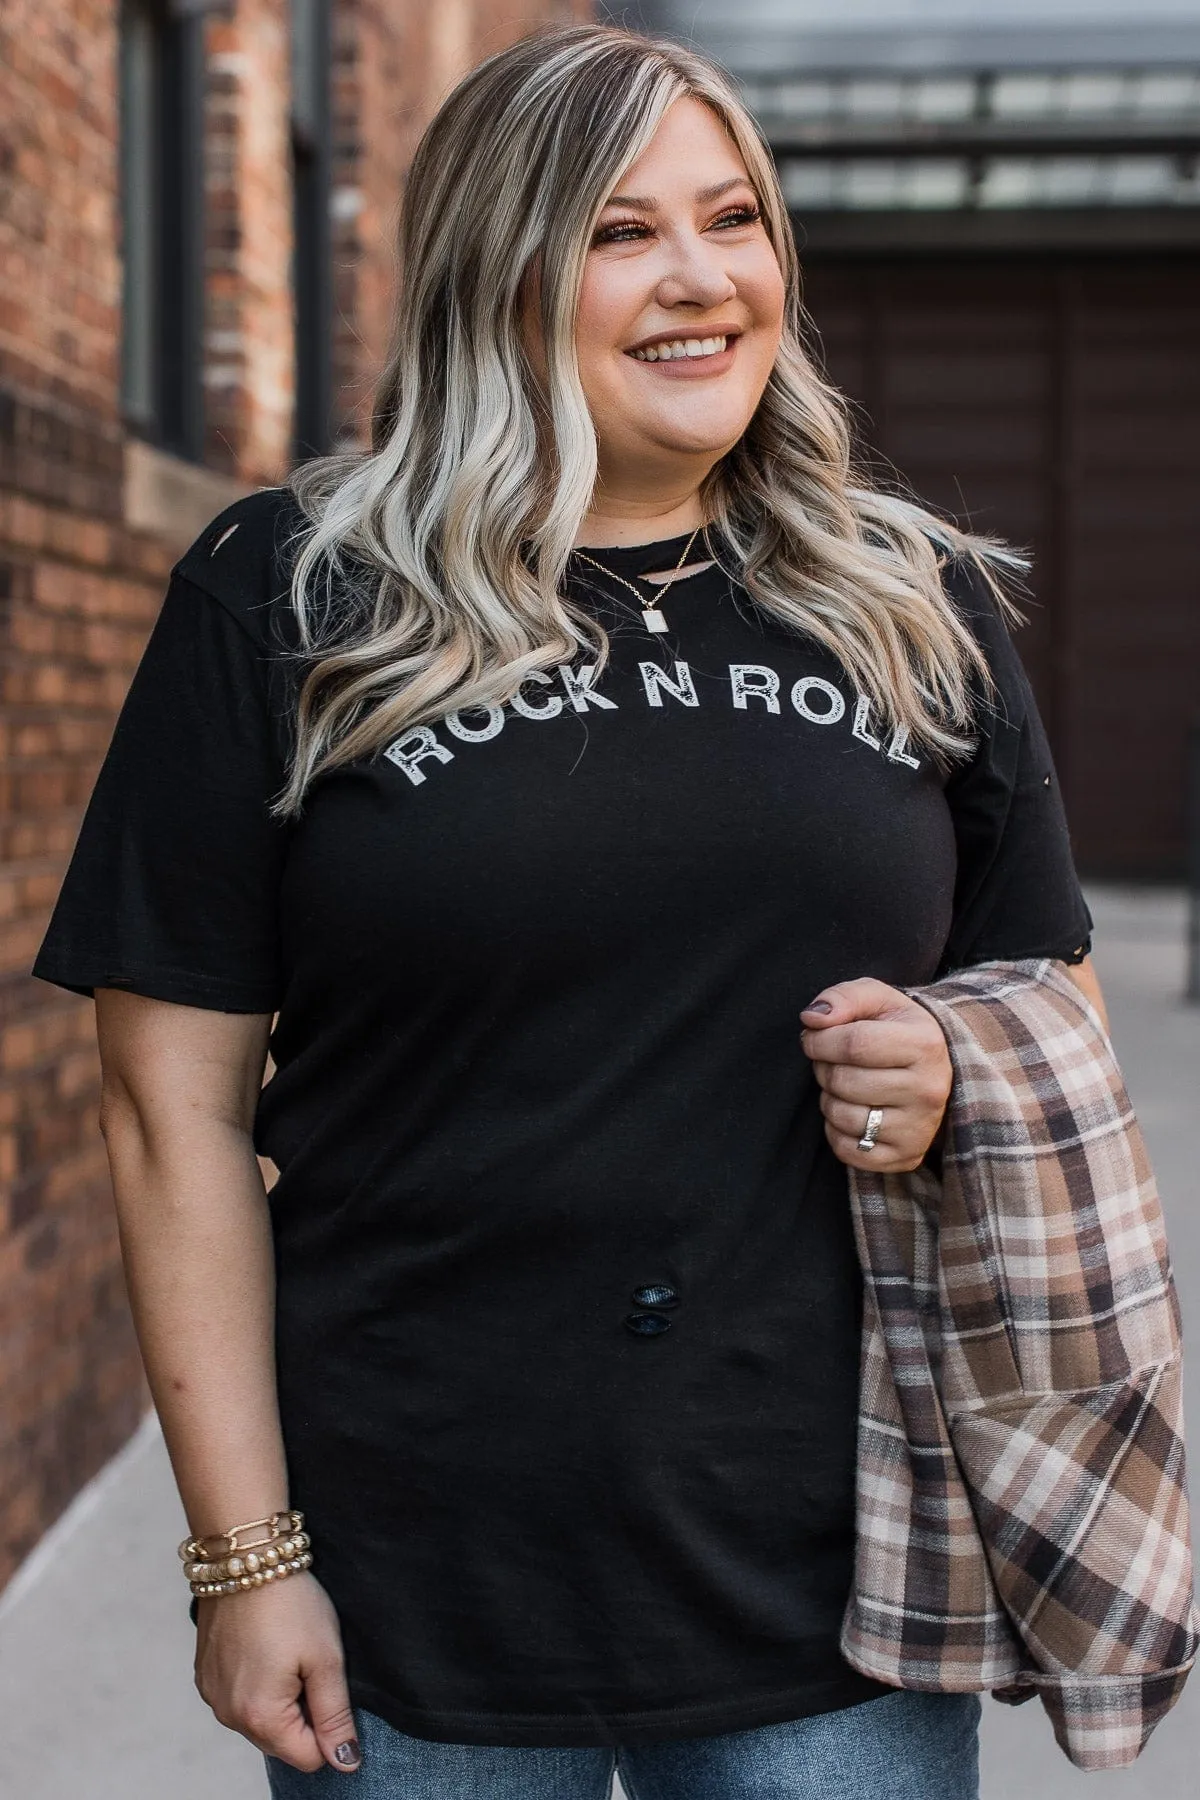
(665, 577)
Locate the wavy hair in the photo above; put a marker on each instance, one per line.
(427, 575)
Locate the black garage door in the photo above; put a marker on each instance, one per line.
(1056, 401)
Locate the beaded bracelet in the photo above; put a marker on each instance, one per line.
(249, 1562)
(254, 1578)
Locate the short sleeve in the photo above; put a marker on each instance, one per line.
(1017, 893)
(172, 887)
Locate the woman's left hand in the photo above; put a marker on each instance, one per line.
(876, 1047)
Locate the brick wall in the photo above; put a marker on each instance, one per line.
(89, 525)
(78, 592)
(248, 374)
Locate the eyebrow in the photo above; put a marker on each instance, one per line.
(647, 202)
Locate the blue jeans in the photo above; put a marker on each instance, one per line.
(905, 1746)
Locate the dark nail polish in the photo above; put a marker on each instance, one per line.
(348, 1753)
(820, 1006)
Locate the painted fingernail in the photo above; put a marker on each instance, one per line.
(348, 1753)
(819, 1006)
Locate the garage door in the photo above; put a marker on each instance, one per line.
(1056, 402)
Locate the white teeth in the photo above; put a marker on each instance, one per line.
(676, 347)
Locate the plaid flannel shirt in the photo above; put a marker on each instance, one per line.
(1022, 1500)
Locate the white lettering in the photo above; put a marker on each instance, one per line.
(478, 734)
(753, 681)
(860, 729)
(425, 744)
(654, 679)
(896, 751)
(828, 715)
(521, 705)
(747, 682)
(579, 687)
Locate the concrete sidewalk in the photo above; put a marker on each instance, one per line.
(96, 1694)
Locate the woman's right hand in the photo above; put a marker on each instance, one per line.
(269, 1663)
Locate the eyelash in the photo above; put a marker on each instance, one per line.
(741, 215)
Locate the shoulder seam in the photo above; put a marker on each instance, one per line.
(231, 611)
(196, 560)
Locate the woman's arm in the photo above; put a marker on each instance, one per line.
(179, 1089)
(177, 1103)
(1088, 982)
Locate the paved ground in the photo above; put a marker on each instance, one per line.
(96, 1695)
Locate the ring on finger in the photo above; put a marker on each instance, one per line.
(871, 1128)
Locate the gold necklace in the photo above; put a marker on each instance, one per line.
(653, 617)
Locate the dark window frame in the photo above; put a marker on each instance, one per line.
(162, 75)
(312, 256)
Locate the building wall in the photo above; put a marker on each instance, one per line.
(77, 593)
(1054, 400)
(90, 522)
(248, 375)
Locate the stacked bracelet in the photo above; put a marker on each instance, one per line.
(225, 1564)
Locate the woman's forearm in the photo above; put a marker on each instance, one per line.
(199, 1265)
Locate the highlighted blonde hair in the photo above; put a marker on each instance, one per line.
(428, 579)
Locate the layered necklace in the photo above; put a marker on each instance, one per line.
(651, 613)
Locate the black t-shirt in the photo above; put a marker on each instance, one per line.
(538, 974)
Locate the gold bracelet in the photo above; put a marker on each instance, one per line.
(248, 1562)
(277, 1525)
(259, 1577)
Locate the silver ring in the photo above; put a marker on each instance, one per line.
(871, 1128)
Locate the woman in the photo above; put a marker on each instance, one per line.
(560, 792)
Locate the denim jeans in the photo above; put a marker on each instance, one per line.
(905, 1746)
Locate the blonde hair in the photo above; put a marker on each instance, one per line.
(428, 577)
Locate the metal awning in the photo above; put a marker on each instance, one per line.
(769, 38)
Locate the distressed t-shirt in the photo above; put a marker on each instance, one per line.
(568, 1304)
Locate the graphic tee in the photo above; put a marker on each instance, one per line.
(537, 973)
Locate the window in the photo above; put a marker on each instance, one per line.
(989, 141)
(312, 280)
(162, 222)
(850, 183)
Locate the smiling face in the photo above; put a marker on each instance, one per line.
(681, 307)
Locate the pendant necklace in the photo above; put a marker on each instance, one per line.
(651, 614)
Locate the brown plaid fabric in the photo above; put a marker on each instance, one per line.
(1022, 1500)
